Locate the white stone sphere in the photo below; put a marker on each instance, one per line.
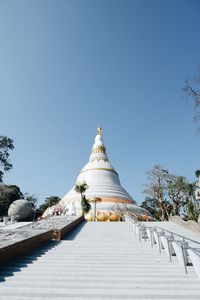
(22, 208)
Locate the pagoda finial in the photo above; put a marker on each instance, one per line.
(99, 130)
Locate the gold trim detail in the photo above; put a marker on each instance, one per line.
(99, 149)
(102, 169)
(117, 200)
(99, 130)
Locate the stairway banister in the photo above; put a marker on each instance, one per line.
(176, 234)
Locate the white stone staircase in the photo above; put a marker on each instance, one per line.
(98, 261)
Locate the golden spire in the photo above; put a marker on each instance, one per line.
(99, 130)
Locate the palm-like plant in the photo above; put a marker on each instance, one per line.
(81, 188)
(197, 173)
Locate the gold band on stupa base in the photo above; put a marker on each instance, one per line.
(107, 215)
(117, 200)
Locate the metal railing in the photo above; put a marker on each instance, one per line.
(184, 238)
(173, 243)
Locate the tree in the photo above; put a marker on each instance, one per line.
(191, 89)
(31, 198)
(197, 173)
(49, 201)
(197, 191)
(156, 189)
(8, 194)
(81, 188)
(6, 144)
(192, 209)
(177, 190)
(170, 194)
(150, 205)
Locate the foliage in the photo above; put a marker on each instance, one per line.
(177, 189)
(8, 194)
(85, 204)
(150, 204)
(169, 194)
(81, 188)
(49, 201)
(191, 89)
(31, 198)
(192, 211)
(6, 144)
(197, 173)
(156, 189)
(157, 211)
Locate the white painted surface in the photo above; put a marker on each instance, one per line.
(102, 179)
(12, 226)
(195, 258)
(176, 229)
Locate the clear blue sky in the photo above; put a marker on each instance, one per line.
(67, 66)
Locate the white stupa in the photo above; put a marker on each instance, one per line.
(103, 182)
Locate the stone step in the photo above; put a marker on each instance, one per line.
(114, 285)
(101, 275)
(92, 268)
(53, 290)
(134, 260)
(98, 256)
(89, 265)
(99, 297)
(55, 259)
(98, 278)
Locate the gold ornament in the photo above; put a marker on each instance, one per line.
(99, 130)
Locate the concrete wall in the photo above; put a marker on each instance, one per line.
(15, 250)
(18, 249)
(58, 234)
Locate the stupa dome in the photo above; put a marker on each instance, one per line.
(103, 182)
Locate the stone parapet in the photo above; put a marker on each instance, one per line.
(58, 234)
(17, 249)
(16, 243)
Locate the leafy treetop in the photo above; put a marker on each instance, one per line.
(6, 144)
